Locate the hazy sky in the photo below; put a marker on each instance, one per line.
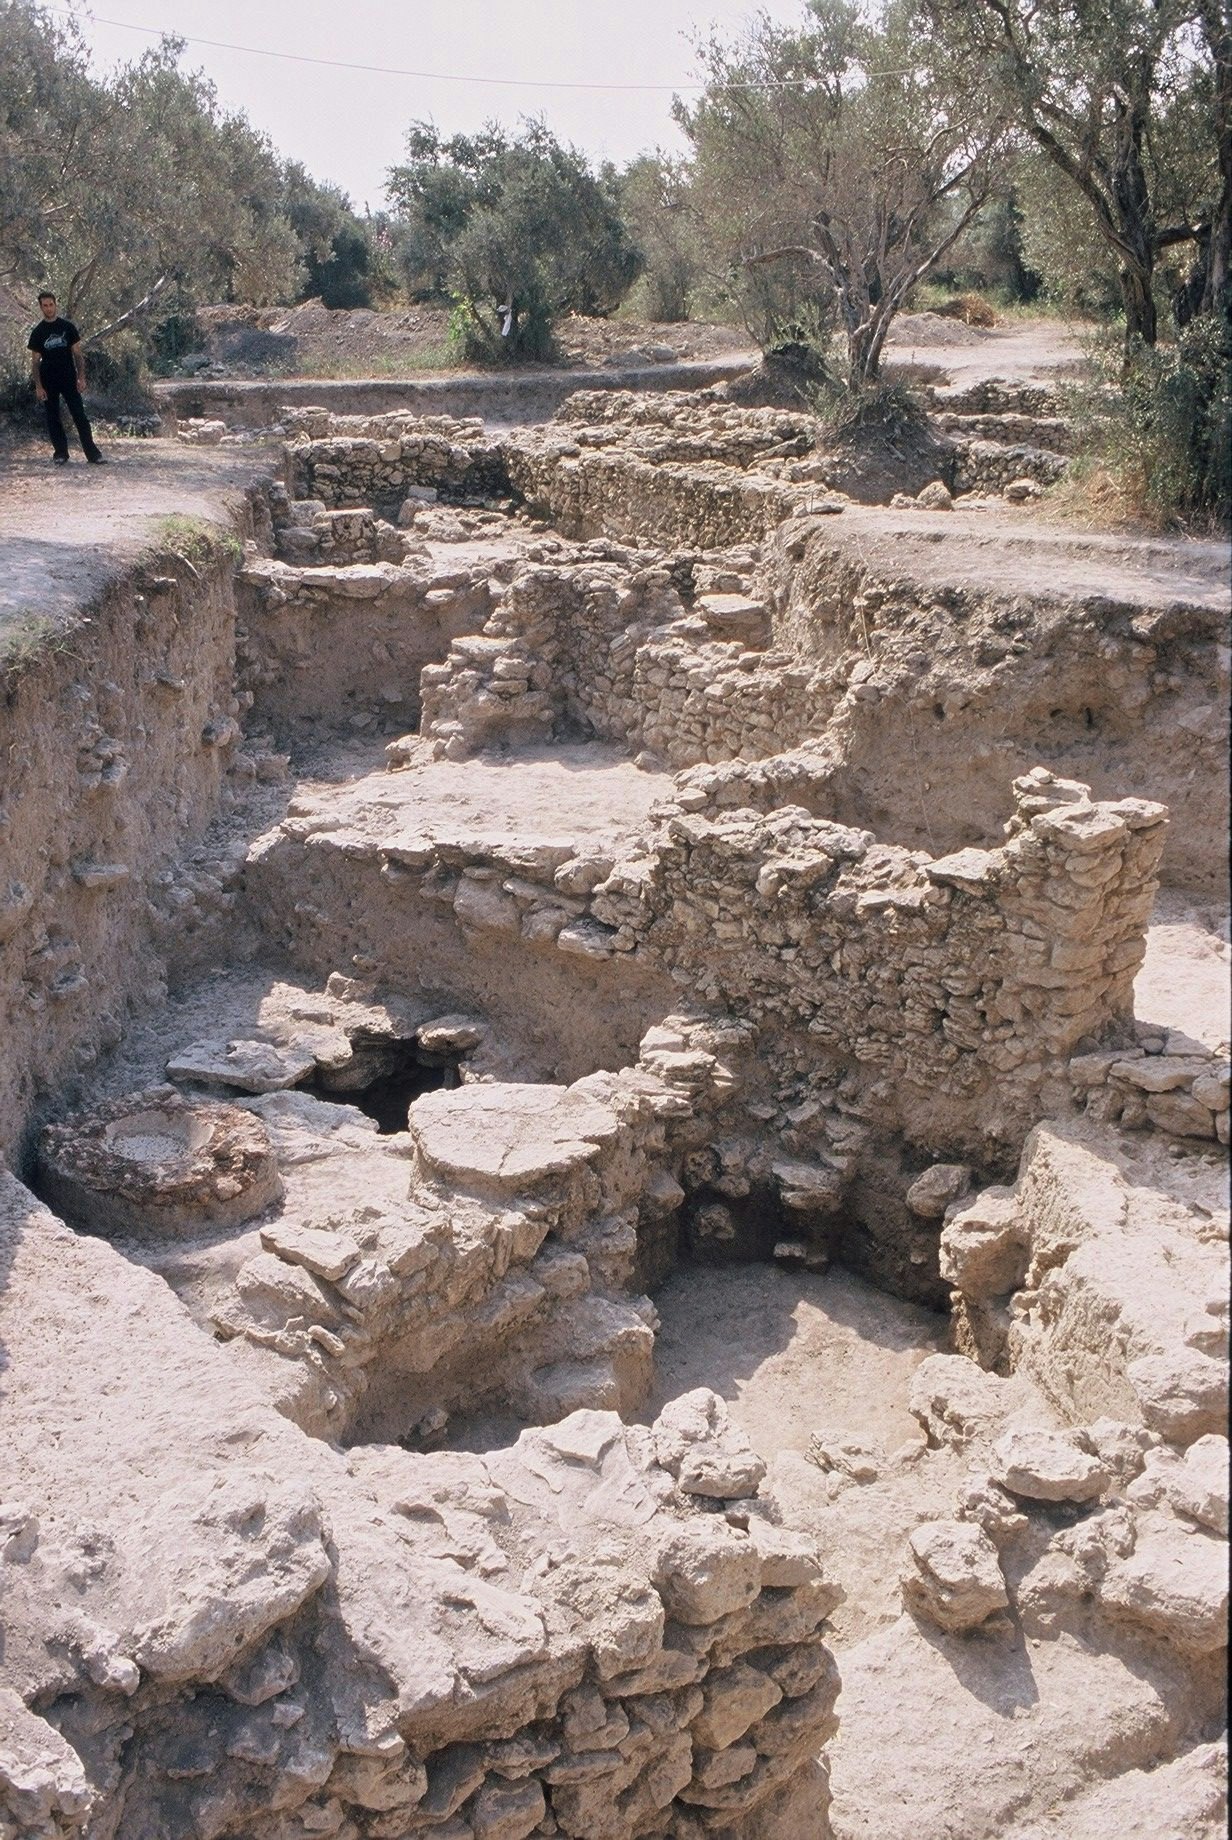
(348, 125)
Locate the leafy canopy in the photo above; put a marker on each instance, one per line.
(516, 229)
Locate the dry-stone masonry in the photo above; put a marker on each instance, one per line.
(523, 873)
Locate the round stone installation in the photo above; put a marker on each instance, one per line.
(156, 1166)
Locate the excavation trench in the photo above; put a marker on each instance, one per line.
(549, 1119)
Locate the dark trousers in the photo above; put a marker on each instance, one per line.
(71, 397)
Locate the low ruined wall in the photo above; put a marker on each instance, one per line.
(988, 466)
(115, 738)
(507, 396)
(347, 645)
(945, 981)
(378, 466)
(593, 493)
(1182, 1093)
(607, 646)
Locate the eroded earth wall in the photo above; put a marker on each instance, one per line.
(115, 737)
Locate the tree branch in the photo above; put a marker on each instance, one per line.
(142, 306)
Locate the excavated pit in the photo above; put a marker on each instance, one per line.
(641, 1193)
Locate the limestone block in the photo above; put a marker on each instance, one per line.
(697, 1442)
(1183, 1394)
(1048, 1466)
(808, 1187)
(734, 1699)
(509, 1138)
(1198, 1485)
(955, 1400)
(936, 497)
(984, 1245)
(506, 1811)
(787, 1559)
(485, 907)
(44, 1793)
(952, 1575)
(853, 1457)
(706, 1571)
(931, 1193)
(1174, 1583)
(326, 1255)
(451, 1034)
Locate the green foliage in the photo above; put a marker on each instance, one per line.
(993, 255)
(1062, 241)
(657, 204)
(840, 157)
(1120, 101)
(1170, 431)
(515, 230)
(28, 639)
(136, 197)
(194, 540)
(345, 257)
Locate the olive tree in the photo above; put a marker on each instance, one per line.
(131, 195)
(1130, 101)
(835, 153)
(515, 229)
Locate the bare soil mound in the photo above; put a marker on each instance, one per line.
(313, 340)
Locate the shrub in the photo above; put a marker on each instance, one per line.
(1166, 429)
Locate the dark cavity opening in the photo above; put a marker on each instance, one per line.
(383, 1080)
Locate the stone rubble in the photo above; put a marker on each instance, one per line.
(326, 1508)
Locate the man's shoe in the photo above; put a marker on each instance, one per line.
(59, 459)
(97, 459)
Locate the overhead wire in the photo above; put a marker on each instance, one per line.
(441, 76)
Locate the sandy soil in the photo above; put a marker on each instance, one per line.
(65, 531)
(314, 340)
(796, 1355)
(1184, 982)
(574, 794)
(1024, 350)
(793, 1353)
(992, 544)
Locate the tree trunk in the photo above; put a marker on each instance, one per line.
(863, 355)
(1217, 290)
(1141, 326)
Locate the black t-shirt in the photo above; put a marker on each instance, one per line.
(54, 339)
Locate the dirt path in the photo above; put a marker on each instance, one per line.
(1041, 351)
(996, 546)
(65, 531)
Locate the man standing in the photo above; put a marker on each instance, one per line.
(59, 372)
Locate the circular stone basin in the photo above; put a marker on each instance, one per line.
(156, 1138)
(157, 1166)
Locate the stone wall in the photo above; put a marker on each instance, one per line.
(985, 465)
(281, 1639)
(374, 461)
(116, 739)
(345, 646)
(1173, 1085)
(959, 986)
(600, 641)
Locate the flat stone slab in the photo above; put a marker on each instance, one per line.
(247, 1066)
(508, 1136)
